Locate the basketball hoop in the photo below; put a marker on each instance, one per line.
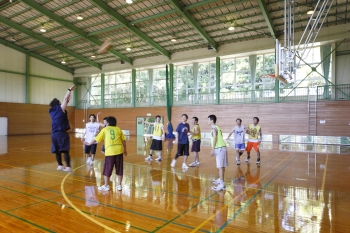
(268, 76)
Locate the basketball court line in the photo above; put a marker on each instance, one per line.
(249, 201)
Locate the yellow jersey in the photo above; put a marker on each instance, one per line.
(197, 136)
(113, 138)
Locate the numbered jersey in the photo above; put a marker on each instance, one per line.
(158, 131)
(113, 138)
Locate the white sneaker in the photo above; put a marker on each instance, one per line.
(198, 163)
(220, 187)
(91, 162)
(238, 162)
(119, 188)
(67, 169)
(60, 168)
(158, 159)
(193, 164)
(173, 163)
(216, 182)
(88, 160)
(149, 158)
(103, 188)
(247, 160)
(184, 165)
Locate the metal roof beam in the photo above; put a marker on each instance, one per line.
(121, 20)
(47, 41)
(191, 20)
(44, 59)
(73, 28)
(267, 17)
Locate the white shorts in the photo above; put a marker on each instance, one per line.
(221, 157)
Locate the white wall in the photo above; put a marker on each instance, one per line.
(41, 90)
(12, 86)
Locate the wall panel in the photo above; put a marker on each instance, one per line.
(12, 87)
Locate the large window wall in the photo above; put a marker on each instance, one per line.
(196, 83)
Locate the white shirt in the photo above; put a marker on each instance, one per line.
(239, 134)
(91, 131)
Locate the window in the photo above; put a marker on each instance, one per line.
(95, 96)
(118, 88)
(142, 89)
(207, 77)
(183, 82)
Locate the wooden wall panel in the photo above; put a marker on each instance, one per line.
(275, 118)
(337, 117)
(26, 119)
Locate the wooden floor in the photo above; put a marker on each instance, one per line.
(290, 192)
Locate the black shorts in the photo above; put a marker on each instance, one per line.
(91, 148)
(182, 149)
(196, 146)
(156, 144)
(113, 161)
(60, 142)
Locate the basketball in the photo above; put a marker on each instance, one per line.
(105, 46)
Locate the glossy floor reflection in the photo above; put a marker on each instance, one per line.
(291, 191)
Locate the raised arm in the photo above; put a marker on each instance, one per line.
(67, 97)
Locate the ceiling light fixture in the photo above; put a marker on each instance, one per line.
(42, 29)
(129, 1)
(310, 11)
(231, 28)
(128, 48)
(79, 17)
(13, 39)
(93, 56)
(173, 39)
(63, 62)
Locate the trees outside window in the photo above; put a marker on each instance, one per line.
(183, 82)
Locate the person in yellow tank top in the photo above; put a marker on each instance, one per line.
(157, 141)
(254, 139)
(220, 151)
(196, 141)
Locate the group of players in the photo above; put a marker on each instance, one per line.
(115, 144)
(218, 144)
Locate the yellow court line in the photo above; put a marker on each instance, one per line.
(77, 209)
(324, 178)
(213, 215)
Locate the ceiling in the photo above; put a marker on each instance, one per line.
(147, 26)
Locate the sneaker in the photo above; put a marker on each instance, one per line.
(104, 188)
(149, 158)
(258, 161)
(193, 164)
(184, 165)
(238, 162)
(60, 168)
(88, 160)
(198, 163)
(119, 188)
(91, 163)
(67, 169)
(158, 159)
(173, 163)
(247, 160)
(220, 187)
(216, 182)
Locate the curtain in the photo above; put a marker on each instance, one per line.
(252, 69)
(325, 51)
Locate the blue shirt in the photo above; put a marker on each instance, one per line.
(182, 130)
(59, 119)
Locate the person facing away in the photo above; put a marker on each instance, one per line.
(115, 148)
(157, 141)
(91, 131)
(254, 139)
(219, 149)
(196, 142)
(183, 143)
(238, 132)
(60, 141)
